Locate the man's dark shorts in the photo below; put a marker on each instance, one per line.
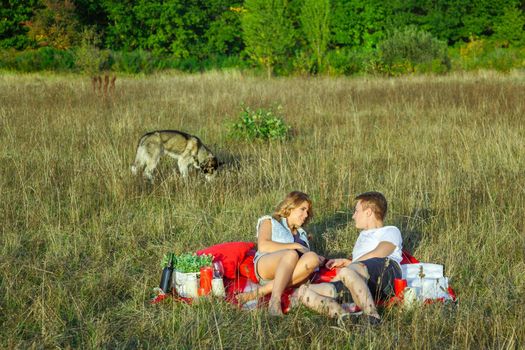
(382, 272)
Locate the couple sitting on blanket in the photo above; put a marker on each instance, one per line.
(284, 259)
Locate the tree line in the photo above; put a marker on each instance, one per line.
(282, 36)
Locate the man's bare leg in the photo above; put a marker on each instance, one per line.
(354, 277)
(323, 304)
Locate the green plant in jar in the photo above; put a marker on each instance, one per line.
(188, 262)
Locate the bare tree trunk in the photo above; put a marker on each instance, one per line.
(112, 84)
(103, 85)
(106, 84)
(96, 82)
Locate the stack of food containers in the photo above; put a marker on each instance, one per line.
(427, 280)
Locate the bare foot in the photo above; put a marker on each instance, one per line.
(274, 308)
(295, 298)
(245, 297)
(301, 291)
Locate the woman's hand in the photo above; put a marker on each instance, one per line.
(322, 260)
(336, 263)
(301, 248)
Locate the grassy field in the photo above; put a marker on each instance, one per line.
(81, 239)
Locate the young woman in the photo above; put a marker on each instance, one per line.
(283, 258)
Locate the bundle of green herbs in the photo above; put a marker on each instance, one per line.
(187, 262)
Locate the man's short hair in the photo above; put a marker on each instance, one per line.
(375, 201)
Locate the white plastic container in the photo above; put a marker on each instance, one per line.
(186, 284)
(424, 270)
(429, 288)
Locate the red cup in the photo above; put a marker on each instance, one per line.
(399, 286)
(206, 277)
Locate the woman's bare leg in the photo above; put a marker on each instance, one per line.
(282, 276)
(305, 267)
(324, 289)
(277, 266)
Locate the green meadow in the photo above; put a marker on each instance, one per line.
(82, 239)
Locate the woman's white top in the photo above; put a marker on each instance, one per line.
(368, 240)
(281, 233)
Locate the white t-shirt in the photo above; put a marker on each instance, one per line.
(368, 240)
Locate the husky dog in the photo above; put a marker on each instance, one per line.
(186, 149)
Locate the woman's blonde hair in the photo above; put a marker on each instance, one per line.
(291, 201)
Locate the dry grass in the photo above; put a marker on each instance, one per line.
(81, 239)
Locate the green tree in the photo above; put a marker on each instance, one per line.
(449, 20)
(357, 23)
(443, 19)
(267, 31)
(181, 28)
(315, 22)
(508, 28)
(169, 27)
(14, 17)
(92, 14)
(123, 30)
(55, 25)
(223, 36)
(480, 15)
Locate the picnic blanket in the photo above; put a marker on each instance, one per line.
(239, 275)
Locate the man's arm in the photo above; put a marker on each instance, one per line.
(335, 263)
(382, 250)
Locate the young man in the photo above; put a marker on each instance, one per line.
(369, 274)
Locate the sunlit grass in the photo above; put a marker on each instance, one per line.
(81, 239)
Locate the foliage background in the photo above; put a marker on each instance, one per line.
(283, 37)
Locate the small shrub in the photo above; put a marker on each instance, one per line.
(470, 54)
(347, 61)
(7, 59)
(486, 54)
(89, 58)
(398, 68)
(134, 62)
(434, 66)
(188, 64)
(224, 62)
(410, 47)
(259, 124)
(503, 60)
(44, 58)
(304, 63)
